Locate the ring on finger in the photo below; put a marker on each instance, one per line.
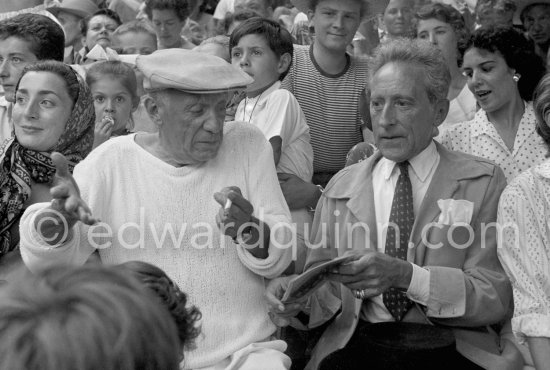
(360, 294)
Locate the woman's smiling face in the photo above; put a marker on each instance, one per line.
(42, 108)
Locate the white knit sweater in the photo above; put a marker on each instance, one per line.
(125, 186)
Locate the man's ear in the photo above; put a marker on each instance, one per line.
(441, 110)
(152, 108)
(284, 63)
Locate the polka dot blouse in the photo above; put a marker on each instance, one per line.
(479, 137)
(524, 250)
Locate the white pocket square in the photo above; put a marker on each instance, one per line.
(455, 211)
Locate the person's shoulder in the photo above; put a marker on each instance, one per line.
(535, 177)
(468, 165)
(111, 150)
(350, 178)
(238, 133)
(281, 95)
(301, 53)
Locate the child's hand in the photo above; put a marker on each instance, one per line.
(103, 130)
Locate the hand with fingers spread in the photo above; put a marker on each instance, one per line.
(373, 273)
(235, 219)
(103, 130)
(68, 205)
(281, 312)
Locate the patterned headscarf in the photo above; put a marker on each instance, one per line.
(20, 166)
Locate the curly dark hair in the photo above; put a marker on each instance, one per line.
(171, 297)
(541, 105)
(447, 14)
(180, 7)
(517, 52)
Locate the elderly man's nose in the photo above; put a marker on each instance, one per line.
(433, 39)
(213, 122)
(386, 117)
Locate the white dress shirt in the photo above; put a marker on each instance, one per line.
(384, 179)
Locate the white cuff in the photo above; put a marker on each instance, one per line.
(419, 288)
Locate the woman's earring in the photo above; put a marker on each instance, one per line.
(516, 77)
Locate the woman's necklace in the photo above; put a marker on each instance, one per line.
(253, 108)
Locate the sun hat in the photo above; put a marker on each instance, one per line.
(80, 8)
(190, 71)
(522, 4)
(374, 7)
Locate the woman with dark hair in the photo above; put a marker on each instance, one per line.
(525, 248)
(53, 111)
(168, 18)
(97, 29)
(502, 71)
(443, 26)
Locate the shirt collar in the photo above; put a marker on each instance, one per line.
(421, 164)
(262, 98)
(482, 125)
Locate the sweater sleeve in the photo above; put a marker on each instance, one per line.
(270, 207)
(36, 253)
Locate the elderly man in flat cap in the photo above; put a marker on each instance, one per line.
(198, 199)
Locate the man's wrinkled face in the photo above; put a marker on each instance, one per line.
(404, 121)
(191, 125)
(536, 21)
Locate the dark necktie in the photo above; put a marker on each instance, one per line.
(401, 220)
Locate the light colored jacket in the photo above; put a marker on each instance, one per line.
(468, 287)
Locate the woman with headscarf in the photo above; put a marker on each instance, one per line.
(53, 111)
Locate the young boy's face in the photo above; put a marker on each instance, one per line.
(15, 54)
(335, 23)
(254, 56)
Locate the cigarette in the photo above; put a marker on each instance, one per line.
(228, 204)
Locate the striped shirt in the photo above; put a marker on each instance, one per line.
(330, 104)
